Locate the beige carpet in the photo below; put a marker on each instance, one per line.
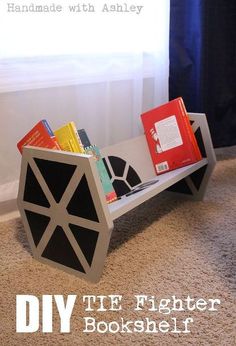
(163, 248)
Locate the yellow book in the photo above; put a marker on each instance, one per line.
(68, 138)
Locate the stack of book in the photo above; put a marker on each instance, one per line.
(171, 141)
(67, 138)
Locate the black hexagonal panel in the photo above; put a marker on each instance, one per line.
(57, 175)
(37, 224)
(81, 203)
(33, 192)
(60, 250)
(87, 240)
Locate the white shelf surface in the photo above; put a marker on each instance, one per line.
(163, 181)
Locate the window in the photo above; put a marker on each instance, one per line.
(66, 42)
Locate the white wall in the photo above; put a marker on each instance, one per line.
(110, 112)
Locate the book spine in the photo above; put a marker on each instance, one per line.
(197, 153)
(84, 138)
(107, 186)
(48, 128)
(50, 133)
(76, 136)
(195, 143)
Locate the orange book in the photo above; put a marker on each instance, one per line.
(190, 130)
(171, 141)
(40, 135)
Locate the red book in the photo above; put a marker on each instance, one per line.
(40, 135)
(171, 140)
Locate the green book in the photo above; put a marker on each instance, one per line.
(104, 177)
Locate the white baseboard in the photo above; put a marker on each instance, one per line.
(8, 210)
(9, 191)
(8, 206)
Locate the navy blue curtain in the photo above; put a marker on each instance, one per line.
(203, 62)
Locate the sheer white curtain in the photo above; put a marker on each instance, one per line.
(100, 69)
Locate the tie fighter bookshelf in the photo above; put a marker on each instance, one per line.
(63, 208)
